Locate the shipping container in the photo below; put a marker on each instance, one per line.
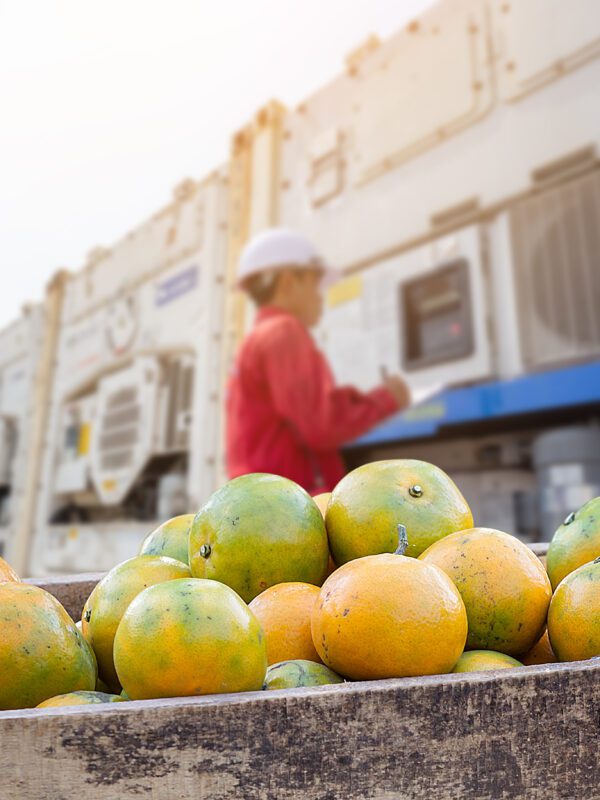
(451, 173)
(20, 344)
(27, 349)
(133, 414)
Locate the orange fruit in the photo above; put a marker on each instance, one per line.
(541, 652)
(42, 653)
(170, 539)
(389, 616)
(284, 612)
(80, 699)
(504, 586)
(299, 672)
(331, 567)
(576, 542)
(100, 685)
(189, 637)
(7, 573)
(256, 531)
(367, 506)
(322, 500)
(480, 660)
(109, 600)
(574, 614)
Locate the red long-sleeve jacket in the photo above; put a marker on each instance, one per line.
(284, 413)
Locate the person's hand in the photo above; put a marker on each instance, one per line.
(399, 388)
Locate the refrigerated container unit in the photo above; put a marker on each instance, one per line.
(133, 415)
(453, 173)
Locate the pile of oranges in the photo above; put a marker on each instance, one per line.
(268, 588)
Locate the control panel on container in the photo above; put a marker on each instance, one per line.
(436, 319)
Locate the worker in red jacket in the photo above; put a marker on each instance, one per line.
(285, 415)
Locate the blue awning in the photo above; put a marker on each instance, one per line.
(542, 391)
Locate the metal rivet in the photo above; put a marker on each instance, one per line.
(569, 519)
(205, 550)
(416, 491)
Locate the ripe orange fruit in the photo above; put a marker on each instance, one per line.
(42, 653)
(80, 699)
(284, 612)
(504, 586)
(109, 600)
(189, 637)
(170, 539)
(543, 561)
(292, 674)
(256, 531)
(480, 660)
(367, 506)
(7, 573)
(331, 567)
(573, 618)
(576, 542)
(541, 652)
(322, 500)
(389, 616)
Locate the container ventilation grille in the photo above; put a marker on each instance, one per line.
(120, 429)
(556, 248)
(179, 378)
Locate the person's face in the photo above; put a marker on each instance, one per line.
(308, 297)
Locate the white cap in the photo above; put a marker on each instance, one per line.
(278, 248)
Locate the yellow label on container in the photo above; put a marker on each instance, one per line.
(428, 411)
(344, 291)
(83, 442)
(73, 533)
(109, 485)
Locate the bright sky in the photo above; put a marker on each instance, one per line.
(106, 106)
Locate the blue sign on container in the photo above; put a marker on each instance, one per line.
(176, 285)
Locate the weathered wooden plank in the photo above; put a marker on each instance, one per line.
(529, 733)
(71, 590)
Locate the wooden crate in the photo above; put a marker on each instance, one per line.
(529, 733)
